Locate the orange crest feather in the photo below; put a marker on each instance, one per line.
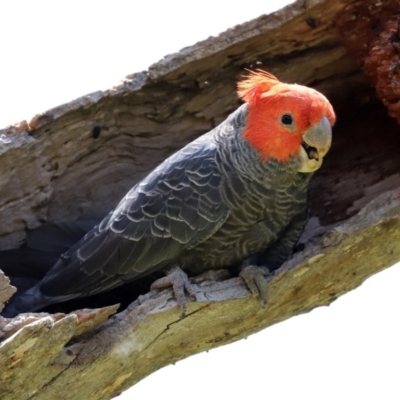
(268, 100)
(255, 84)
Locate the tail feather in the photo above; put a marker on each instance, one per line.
(31, 300)
(30, 263)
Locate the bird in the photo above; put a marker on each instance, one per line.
(235, 196)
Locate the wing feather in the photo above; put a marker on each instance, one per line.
(175, 207)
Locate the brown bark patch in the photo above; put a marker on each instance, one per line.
(371, 31)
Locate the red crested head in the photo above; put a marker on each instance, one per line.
(281, 114)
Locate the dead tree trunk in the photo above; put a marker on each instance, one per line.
(82, 157)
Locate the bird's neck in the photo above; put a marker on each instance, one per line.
(238, 153)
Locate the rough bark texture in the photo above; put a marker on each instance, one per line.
(79, 159)
(6, 291)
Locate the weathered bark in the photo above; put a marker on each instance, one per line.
(79, 159)
(41, 361)
(6, 290)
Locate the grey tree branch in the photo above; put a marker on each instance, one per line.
(42, 361)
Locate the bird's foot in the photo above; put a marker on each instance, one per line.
(256, 279)
(179, 281)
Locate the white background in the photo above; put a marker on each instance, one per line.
(54, 51)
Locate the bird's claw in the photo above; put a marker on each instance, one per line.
(256, 279)
(179, 281)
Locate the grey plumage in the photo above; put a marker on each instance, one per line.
(210, 205)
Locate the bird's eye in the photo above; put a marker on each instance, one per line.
(287, 119)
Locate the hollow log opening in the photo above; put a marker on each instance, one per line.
(78, 160)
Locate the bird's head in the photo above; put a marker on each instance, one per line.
(286, 120)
